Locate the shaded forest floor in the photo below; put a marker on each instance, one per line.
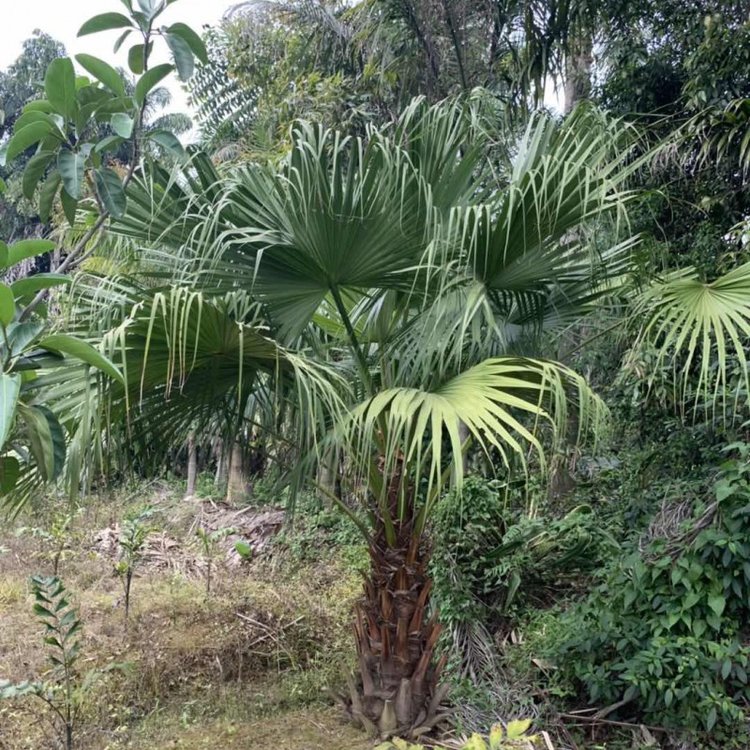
(250, 665)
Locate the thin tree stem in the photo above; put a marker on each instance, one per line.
(358, 353)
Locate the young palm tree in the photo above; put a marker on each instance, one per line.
(397, 283)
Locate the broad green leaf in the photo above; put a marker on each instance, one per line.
(27, 137)
(122, 124)
(20, 335)
(192, 39)
(182, 54)
(121, 40)
(60, 87)
(168, 141)
(104, 22)
(23, 249)
(70, 206)
(29, 118)
(10, 470)
(149, 80)
(81, 350)
(34, 172)
(40, 105)
(135, 57)
(72, 170)
(47, 196)
(110, 143)
(717, 603)
(111, 193)
(32, 284)
(103, 72)
(7, 304)
(46, 439)
(10, 387)
(149, 8)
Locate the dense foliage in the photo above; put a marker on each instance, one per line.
(489, 340)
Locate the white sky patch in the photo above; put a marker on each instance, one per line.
(61, 19)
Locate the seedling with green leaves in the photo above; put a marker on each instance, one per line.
(62, 690)
(210, 547)
(132, 542)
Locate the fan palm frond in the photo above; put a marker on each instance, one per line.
(703, 328)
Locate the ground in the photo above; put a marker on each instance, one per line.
(254, 664)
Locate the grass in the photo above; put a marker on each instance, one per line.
(248, 667)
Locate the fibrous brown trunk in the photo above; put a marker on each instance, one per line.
(398, 691)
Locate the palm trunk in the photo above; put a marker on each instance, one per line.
(578, 71)
(192, 471)
(221, 463)
(398, 692)
(237, 484)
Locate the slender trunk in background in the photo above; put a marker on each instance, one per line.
(220, 477)
(578, 66)
(192, 469)
(237, 484)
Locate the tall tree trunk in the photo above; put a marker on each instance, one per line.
(578, 65)
(221, 463)
(237, 484)
(398, 691)
(192, 468)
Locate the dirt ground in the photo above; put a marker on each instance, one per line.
(248, 666)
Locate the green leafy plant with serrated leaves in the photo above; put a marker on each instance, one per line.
(63, 689)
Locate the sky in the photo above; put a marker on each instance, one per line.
(62, 19)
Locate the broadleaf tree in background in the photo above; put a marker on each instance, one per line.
(71, 162)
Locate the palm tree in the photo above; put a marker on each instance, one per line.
(387, 294)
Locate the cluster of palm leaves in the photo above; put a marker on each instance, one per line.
(385, 298)
(391, 299)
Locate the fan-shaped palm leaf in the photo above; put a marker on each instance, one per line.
(701, 326)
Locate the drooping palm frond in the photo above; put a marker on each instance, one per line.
(703, 328)
(500, 404)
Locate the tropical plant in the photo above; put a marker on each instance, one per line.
(422, 277)
(210, 548)
(132, 541)
(32, 439)
(63, 689)
(664, 631)
(74, 161)
(513, 735)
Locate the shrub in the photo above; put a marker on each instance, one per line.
(665, 630)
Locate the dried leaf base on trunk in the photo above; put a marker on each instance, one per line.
(397, 693)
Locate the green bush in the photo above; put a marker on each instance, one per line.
(665, 630)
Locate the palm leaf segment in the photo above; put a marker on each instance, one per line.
(704, 327)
